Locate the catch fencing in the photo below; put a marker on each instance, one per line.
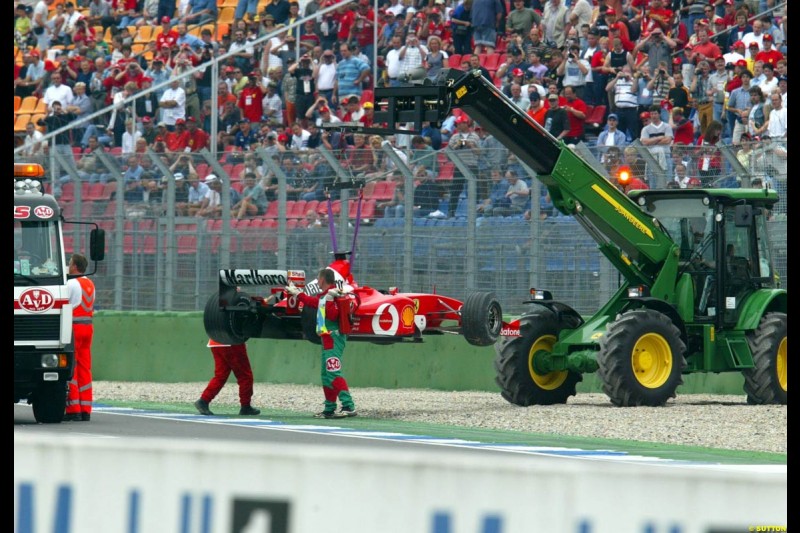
(157, 260)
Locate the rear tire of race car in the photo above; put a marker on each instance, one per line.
(481, 318)
(226, 327)
(308, 321)
(50, 402)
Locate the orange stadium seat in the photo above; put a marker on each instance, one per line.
(17, 102)
(21, 122)
(28, 105)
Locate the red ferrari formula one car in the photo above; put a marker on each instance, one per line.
(232, 316)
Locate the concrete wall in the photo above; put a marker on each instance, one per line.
(171, 348)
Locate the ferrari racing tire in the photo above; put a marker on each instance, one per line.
(519, 382)
(227, 327)
(49, 402)
(481, 318)
(765, 383)
(308, 321)
(641, 359)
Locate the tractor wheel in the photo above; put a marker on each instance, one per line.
(228, 327)
(765, 383)
(308, 321)
(49, 402)
(518, 381)
(481, 318)
(641, 360)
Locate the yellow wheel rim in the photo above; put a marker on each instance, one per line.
(552, 380)
(781, 364)
(651, 360)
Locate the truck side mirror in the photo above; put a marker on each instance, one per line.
(743, 215)
(97, 244)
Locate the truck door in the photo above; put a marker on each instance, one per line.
(741, 263)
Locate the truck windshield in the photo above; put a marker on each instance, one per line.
(37, 251)
(689, 221)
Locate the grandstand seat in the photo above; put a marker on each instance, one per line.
(446, 171)
(17, 102)
(296, 209)
(454, 60)
(144, 35)
(28, 105)
(311, 204)
(272, 211)
(384, 190)
(226, 15)
(222, 30)
(367, 96)
(67, 192)
(492, 62)
(35, 118)
(292, 223)
(21, 122)
(367, 209)
(598, 116)
(369, 189)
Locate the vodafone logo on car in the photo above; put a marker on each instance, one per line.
(36, 300)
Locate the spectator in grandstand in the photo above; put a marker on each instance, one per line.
(246, 138)
(159, 73)
(739, 106)
(42, 32)
(31, 76)
(32, 145)
(757, 37)
(618, 29)
(196, 191)
(518, 195)
(57, 91)
(173, 103)
(625, 100)
(708, 157)
(681, 177)
(178, 139)
(769, 83)
(758, 72)
(211, 204)
(497, 193)
(299, 141)
(576, 113)
(198, 138)
(273, 106)
(556, 120)
(637, 168)
(658, 137)
(575, 71)
(701, 91)
(413, 56)
(168, 36)
(251, 99)
(437, 59)
(129, 137)
(23, 35)
(611, 135)
(682, 127)
(201, 12)
(325, 76)
(127, 13)
(253, 201)
(776, 128)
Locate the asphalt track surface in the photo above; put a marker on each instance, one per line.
(121, 420)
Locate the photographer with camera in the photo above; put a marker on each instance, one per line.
(467, 143)
(658, 46)
(626, 101)
(575, 71)
(659, 85)
(412, 56)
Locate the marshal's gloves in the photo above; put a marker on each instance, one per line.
(292, 289)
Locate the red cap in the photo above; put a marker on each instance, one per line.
(676, 60)
(610, 11)
(435, 11)
(146, 119)
(49, 66)
(462, 119)
(147, 79)
(644, 114)
(79, 58)
(165, 20)
(90, 39)
(767, 38)
(283, 138)
(752, 44)
(517, 72)
(718, 20)
(324, 109)
(737, 44)
(694, 181)
(719, 56)
(190, 119)
(229, 69)
(35, 53)
(159, 139)
(741, 63)
(703, 22)
(180, 121)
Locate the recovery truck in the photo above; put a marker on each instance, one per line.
(43, 346)
(697, 292)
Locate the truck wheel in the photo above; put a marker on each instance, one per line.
(49, 403)
(518, 381)
(227, 327)
(765, 383)
(308, 321)
(641, 361)
(481, 318)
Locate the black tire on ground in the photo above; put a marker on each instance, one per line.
(308, 320)
(765, 383)
(518, 381)
(641, 359)
(49, 402)
(226, 327)
(481, 318)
